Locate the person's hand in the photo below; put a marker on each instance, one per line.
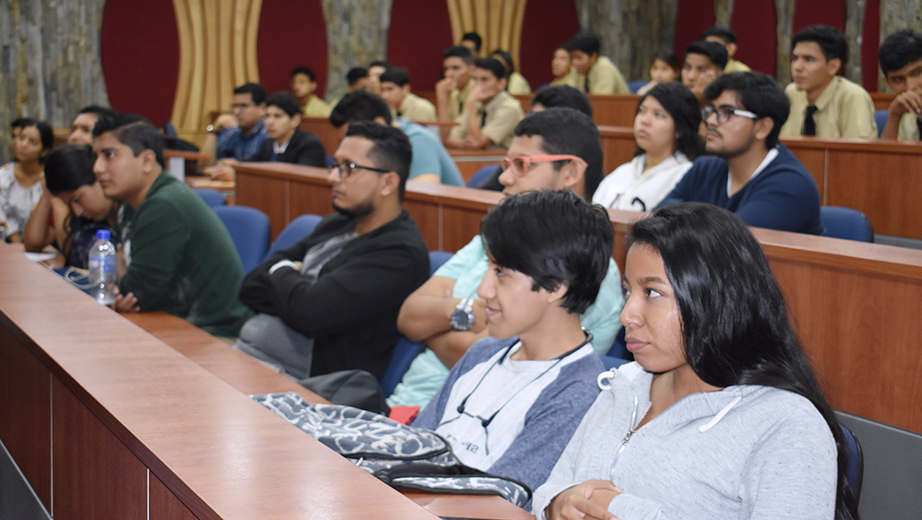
(444, 87)
(298, 266)
(909, 101)
(221, 172)
(579, 503)
(704, 79)
(474, 98)
(126, 303)
(223, 122)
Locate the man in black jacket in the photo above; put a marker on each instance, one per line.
(334, 296)
(288, 143)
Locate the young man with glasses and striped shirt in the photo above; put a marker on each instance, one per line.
(749, 172)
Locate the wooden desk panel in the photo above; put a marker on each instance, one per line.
(268, 195)
(323, 129)
(222, 454)
(882, 100)
(614, 110)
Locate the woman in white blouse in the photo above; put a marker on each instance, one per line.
(21, 181)
(666, 131)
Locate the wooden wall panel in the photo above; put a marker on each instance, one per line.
(164, 505)
(267, 196)
(886, 187)
(429, 219)
(25, 412)
(89, 463)
(217, 45)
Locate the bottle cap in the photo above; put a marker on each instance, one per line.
(102, 234)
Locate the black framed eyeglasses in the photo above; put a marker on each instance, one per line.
(345, 168)
(725, 112)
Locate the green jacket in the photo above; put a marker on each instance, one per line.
(181, 259)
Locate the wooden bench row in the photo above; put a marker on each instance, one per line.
(856, 305)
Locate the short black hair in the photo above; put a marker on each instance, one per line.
(355, 74)
(286, 102)
(459, 51)
(550, 96)
(306, 71)
(898, 50)
(713, 51)
(21, 122)
(682, 107)
(97, 110)
(669, 58)
(380, 63)
(567, 131)
(555, 238)
(585, 42)
(255, 90)
(69, 167)
(133, 131)
(396, 75)
(493, 65)
(831, 41)
(391, 150)
(474, 38)
(359, 106)
(757, 93)
(505, 58)
(726, 35)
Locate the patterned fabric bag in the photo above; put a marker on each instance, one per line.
(399, 455)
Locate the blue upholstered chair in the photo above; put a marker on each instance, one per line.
(406, 350)
(481, 175)
(880, 117)
(846, 223)
(212, 198)
(855, 470)
(249, 229)
(634, 86)
(295, 230)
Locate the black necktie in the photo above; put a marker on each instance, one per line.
(483, 118)
(809, 123)
(586, 84)
(919, 126)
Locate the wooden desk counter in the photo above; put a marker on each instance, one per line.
(882, 179)
(130, 425)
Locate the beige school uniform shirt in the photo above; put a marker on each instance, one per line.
(518, 85)
(736, 66)
(503, 112)
(604, 78)
(571, 79)
(845, 110)
(456, 100)
(415, 108)
(909, 127)
(316, 107)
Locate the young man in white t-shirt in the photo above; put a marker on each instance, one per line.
(510, 405)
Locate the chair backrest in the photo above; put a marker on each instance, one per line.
(847, 223)
(406, 350)
(404, 353)
(212, 198)
(855, 470)
(880, 118)
(890, 457)
(636, 85)
(618, 347)
(249, 229)
(293, 232)
(481, 175)
(436, 259)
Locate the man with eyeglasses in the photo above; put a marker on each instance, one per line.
(749, 172)
(237, 137)
(330, 301)
(555, 149)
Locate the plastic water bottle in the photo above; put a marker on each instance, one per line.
(102, 263)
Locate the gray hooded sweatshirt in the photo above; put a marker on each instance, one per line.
(748, 452)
